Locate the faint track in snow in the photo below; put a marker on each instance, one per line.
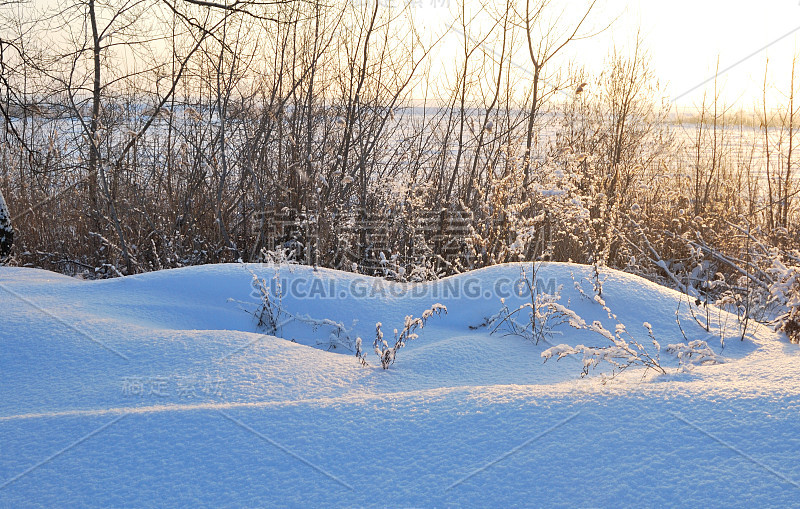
(575, 390)
(349, 398)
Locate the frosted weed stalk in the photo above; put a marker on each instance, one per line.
(625, 350)
(543, 312)
(387, 354)
(270, 308)
(272, 316)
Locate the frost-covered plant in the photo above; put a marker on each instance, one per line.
(712, 318)
(271, 316)
(270, 308)
(533, 320)
(387, 354)
(790, 324)
(694, 353)
(786, 291)
(279, 256)
(543, 314)
(360, 354)
(339, 336)
(597, 286)
(507, 228)
(623, 352)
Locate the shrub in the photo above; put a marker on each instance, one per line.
(785, 290)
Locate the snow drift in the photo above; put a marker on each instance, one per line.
(157, 390)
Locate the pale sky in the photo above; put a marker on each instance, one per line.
(685, 38)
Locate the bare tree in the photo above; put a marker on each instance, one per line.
(541, 51)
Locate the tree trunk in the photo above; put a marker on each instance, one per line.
(95, 164)
(6, 231)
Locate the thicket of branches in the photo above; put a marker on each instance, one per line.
(143, 134)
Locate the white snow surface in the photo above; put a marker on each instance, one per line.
(156, 391)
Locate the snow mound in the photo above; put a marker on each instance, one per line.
(158, 389)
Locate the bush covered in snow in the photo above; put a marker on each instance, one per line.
(786, 291)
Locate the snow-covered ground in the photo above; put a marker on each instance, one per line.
(155, 390)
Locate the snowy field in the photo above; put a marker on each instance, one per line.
(156, 391)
